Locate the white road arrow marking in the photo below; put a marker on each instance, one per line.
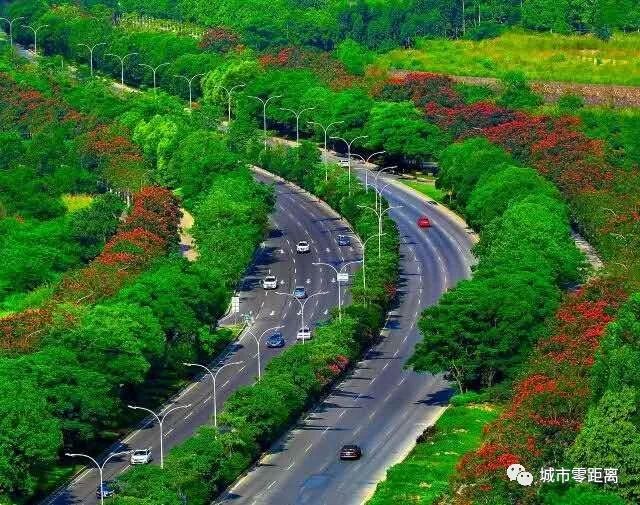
(272, 313)
(308, 281)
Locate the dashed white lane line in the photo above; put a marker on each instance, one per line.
(188, 415)
(227, 382)
(308, 448)
(385, 366)
(291, 465)
(168, 432)
(125, 469)
(402, 381)
(272, 484)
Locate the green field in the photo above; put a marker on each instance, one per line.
(423, 477)
(427, 188)
(545, 57)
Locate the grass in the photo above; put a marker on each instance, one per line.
(423, 477)
(427, 188)
(18, 302)
(74, 203)
(541, 56)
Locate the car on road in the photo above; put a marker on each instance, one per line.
(432, 202)
(275, 341)
(350, 452)
(304, 333)
(344, 240)
(423, 222)
(106, 490)
(141, 457)
(270, 282)
(343, 162)
(303, 247)
(299, 292)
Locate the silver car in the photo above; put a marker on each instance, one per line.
(141, 457)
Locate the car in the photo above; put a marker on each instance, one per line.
(433, 202)
(350, 452)
(303, 247)
(300, 292)
(276, 340)
(270, 282)
(304, 333)
(141, 457)
(344, 240)
(423, 222)
(106, 490)
(343, 162)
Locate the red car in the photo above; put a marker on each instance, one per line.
(424, 222)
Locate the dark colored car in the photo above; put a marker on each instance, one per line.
(108, 490)
(344, 240)
(276, 340)
(423, 222)
(350, 452)
(299, 292)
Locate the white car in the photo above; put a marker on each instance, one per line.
(303, 247)
(141, 457)
(343, 162)
(270, 282)
(304, 333)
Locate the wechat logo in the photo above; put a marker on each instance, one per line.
(519, 473)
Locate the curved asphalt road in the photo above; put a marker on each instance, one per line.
(297, 216)
(380, 406)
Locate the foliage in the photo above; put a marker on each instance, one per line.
(423, 477)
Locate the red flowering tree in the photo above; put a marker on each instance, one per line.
(219, 39)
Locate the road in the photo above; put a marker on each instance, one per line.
(297, 216)
(380, 406)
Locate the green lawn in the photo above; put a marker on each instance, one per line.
(423, 477)
(74, 203)
(545, 57)
(426, 188)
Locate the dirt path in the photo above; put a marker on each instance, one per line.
(187, 242)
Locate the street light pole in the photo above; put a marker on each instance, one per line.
(35, 36)
(160, 424)
(375, 180)
(214, 376)
(91, 49)
(11, 21)
(258, 340)
(98, 465)
(319, 263)
(302, 304)
(121, 59)
(364, 248)
(297, 115)
(189, 82)
(154, 70)
(366, 170)
(228, 92)
(324, 153)
(380, 214)
(264, 113)
(349, 153)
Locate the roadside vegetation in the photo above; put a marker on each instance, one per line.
(423, 476)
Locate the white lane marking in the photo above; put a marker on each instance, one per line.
(272, 484)
(402, 381)
(291, 465)
(227, 382)
(308, 448)
(188, 415)
(184, 392)
(167, 433)
(125, 469)
(341, 414)
(385, 366)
